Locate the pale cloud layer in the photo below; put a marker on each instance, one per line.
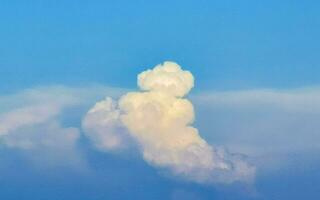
(269, 125)
(26, 116)
(30, 121)
(159, 120)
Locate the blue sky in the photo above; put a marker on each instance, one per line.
(256, 69)
(229, 44)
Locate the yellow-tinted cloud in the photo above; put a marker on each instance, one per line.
(159, 120)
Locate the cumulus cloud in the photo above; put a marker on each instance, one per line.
(159, 119)
(167, 78)
(103, 126)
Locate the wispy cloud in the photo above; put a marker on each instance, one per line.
(264, 123)
(31, 121)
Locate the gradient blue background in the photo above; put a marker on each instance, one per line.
(226, 44)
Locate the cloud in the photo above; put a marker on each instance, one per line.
(31, 121)
(159, 119)
(33, 126)
(103, 126)
(167, 78)
(269, 125)
(26, 116)
(303, 100)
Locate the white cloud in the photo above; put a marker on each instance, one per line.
(159, 119)
(264, 124)
(25, 116)
(168, 78)
(305, 100)
(103, 126)
(31, 121)
(270, 125)
(33, 126)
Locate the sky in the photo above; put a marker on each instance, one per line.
(256, 95)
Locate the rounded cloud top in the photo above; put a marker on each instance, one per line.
(159, 120)
(167, 77)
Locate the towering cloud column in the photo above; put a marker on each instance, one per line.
(158, 118)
